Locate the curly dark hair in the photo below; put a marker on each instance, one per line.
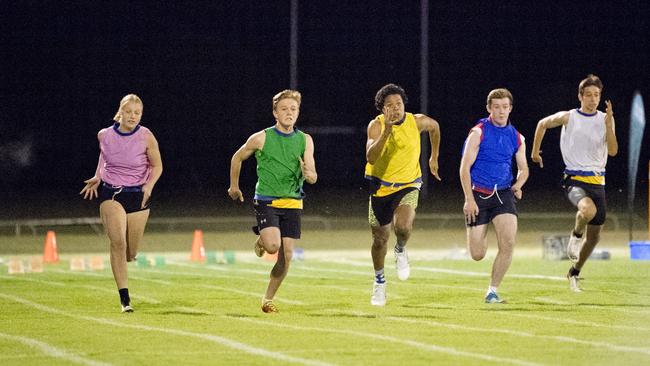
(386, 90)
(590, 80)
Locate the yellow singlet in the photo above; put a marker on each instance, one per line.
(399, 162)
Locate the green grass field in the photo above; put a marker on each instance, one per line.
(199, 314)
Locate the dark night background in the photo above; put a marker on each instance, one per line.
(207, 70)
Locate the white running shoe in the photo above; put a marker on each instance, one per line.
(402, 265)
(127, 309)
(574, 283)
(574, 247)
(378, 297)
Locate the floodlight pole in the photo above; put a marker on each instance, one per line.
(293, 55)
(424, 91)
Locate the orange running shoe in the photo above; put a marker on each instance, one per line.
(259, 249)
(269, 307)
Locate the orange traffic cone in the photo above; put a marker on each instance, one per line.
(50, 254)
(198, 250)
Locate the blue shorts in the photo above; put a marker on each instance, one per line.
(490, 206)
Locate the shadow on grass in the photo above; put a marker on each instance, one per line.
(343, 315)
(182, 312)
(232, 315)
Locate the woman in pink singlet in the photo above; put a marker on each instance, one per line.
(129, 167)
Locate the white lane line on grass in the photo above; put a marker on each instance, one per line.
(287, 284)
(395, 340)
(563, 339)
(614, 307)
(225, 275)
(52, 351)
(173, 331)
(81, 273)
(144, 279)
(169, 272)
(549, 300)
(580, 322)
(249, 293)
(241, 270)
(216, 268)
(168, 283)
(485, 274)
(346, 261)
(603, 307)
(301, 266)
(511, 332)
(144, 299)
(450, 271)
(29, 279)
(90, 287)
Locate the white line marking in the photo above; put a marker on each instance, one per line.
(29, 279)
(449, 271)
(255, 294)
(284, 284)
(301, 266)
(610, 346)
(52, 351)
(144, 279)
(88, 274)
(549, 300)
(242, 270)
(90, 287)
(604, 307)
(408, 342)
(580, 322)
(183, 333)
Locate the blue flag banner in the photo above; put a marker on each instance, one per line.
(637, 125)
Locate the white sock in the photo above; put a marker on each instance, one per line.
(491, 289)
(379, 276)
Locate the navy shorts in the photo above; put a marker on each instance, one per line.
(594, 191)
(490, 206)
(286, 219)
(129, 197)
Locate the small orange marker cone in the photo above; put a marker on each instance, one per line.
(16, 266)
(37, 264)
(77, 264)
(198, 250)
(50, 254)
(96, 263)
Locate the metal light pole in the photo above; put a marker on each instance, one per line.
(293, 56)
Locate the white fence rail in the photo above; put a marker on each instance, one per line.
(442, 220)
(171, 222)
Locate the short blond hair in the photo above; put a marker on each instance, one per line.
(286, 94)
(129, 98)
(499, 94)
